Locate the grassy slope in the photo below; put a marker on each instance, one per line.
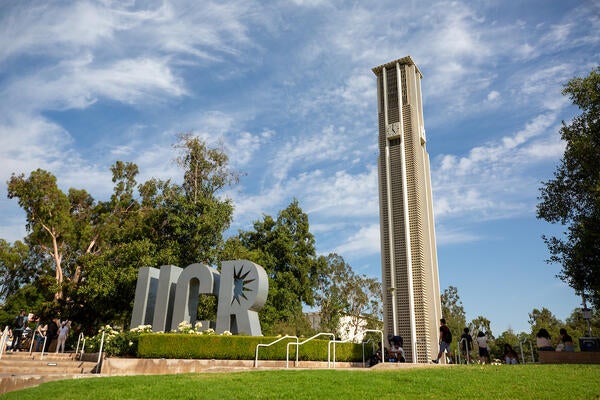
(564, 382)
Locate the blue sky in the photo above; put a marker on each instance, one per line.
(287, 88)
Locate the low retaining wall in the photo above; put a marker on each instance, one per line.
(159, 366)
(569, 357)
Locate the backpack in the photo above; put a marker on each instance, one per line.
(447, 337)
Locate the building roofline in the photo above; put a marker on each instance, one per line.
(403, 61)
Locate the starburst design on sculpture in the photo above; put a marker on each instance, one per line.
(240, 284)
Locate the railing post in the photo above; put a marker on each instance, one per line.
(81, 338)
(267, 345)
(3, 341)
(382, 345)
(100, 353)
(532, 356)
(287, 354)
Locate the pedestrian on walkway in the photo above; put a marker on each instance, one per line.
(63, 332)
(445, 340)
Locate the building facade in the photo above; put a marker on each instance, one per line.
(409, 270)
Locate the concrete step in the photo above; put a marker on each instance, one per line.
(19, 367)
(38, 356)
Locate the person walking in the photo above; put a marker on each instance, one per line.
(466, 345)
(445, 340)
(63, 332)
(19, 327)
(51, 334)
(484, 354)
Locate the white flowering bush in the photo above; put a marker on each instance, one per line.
(187, 328)
(116, 342)
(142, 329)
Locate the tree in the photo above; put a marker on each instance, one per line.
(481, 324)
(52, 221)
(330, 295)
(342, 293)
(364, 304)
(16, 267)
(94, 249)
(454, 312)
(544, 318)
(285, 247)
(163, 223)
(572, 197)
(577, 326)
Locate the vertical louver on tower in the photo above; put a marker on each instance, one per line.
(409, 269)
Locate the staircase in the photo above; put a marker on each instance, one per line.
(21, 370)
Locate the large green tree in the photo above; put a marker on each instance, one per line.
(94, 249)
(53, 218)
(341, 293)
(160, 223)
(285, 247)
(572, 197)
(16, 267)
(454, 313)
(544, 318)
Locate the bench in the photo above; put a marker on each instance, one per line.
(569, 357)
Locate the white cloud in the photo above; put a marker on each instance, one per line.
(78, 84)
(52, 29)
(493, 95)
(447, 236)
(495, 180)
(327, 145)
(364, 242)
(38, 144)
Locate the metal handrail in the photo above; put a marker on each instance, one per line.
(382, 345)
(43, 347)
(270, 344)
(35, 332)
(79, 340)
(3, 341)
(98, 363)
(329, 352)
(287, 353)
(530, 347)
(460, 352)
(372, 348)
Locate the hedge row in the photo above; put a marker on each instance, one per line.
(173, 345)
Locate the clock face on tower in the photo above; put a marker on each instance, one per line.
(393, 130)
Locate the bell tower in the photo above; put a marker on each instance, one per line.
(409, 269)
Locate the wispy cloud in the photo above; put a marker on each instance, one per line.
(495, 180)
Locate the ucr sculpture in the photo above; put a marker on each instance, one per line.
(167, 296)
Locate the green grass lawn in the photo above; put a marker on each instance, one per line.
(564, 382)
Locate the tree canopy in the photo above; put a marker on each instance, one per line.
(343, 293)
(285, 247)
(86, 254)
(453, 312)
(572, 197)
